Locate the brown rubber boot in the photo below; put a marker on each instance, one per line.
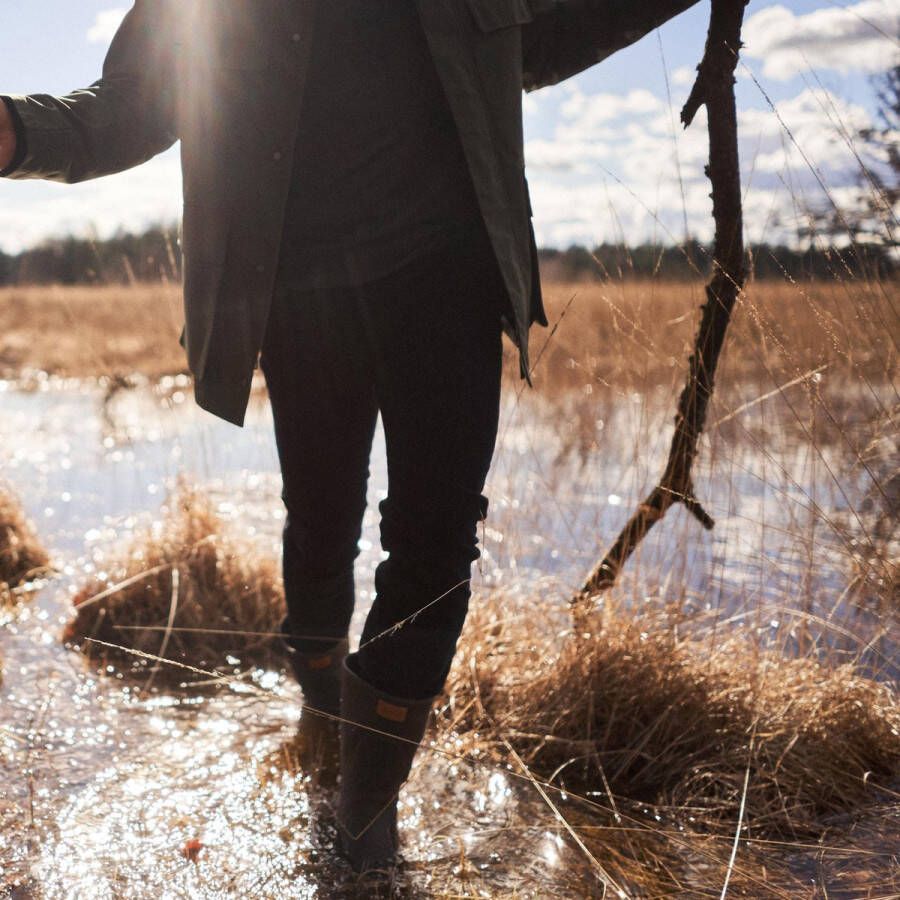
(379, 738)
(316, 744)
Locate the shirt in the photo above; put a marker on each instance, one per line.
(379, 174)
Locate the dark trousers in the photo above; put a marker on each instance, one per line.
(422, 347)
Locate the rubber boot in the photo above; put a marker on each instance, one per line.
(315, 746)
(379, 738)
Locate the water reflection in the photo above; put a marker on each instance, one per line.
(112, 792)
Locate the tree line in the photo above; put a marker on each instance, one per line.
(151, 256)
(155, 256)
(692, 261)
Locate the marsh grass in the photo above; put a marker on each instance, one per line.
(657, 736)
(660, 742)
(91, 331)
(676, 721)
(22, 556)
(818, 361)
(624, 334)
(185, 590)
(636, 334)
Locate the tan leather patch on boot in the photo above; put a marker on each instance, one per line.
(391, 711)
(319, 662)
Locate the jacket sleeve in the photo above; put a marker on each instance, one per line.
(568, 36)
(121, 120)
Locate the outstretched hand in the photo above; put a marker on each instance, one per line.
(7, 137)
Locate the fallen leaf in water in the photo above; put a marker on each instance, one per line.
(191, 849)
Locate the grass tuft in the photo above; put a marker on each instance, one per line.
(633, 708)
(22, 556)
(185, 590)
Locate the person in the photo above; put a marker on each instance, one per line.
(357, 222)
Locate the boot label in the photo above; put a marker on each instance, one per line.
(391, 711)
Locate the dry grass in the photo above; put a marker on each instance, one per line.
(185, 591)
(91, 331)
(675, 721)
(817, 361)
(22, 557)
(630, 335)
(658, 744)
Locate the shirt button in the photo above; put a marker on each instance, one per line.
(295, 38)
(276, 155)
(260, 268)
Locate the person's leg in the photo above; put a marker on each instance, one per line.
(324, 409)
(438, 355)
(436, 333)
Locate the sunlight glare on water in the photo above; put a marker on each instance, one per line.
(112, 792)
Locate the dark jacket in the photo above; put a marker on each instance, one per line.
(224, 77)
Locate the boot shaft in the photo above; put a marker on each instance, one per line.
(380, 735)
(318, 673)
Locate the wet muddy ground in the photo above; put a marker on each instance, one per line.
(111, 792)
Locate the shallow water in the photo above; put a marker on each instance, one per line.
(104, 787)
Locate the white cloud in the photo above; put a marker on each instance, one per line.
(597, 109)
(593, 177)
(824, 128)
(565, 156)
(683, 76)
(611, 168)
(31, 211)
(860, 37)
(105, 25)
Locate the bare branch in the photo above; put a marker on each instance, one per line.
(713, 88)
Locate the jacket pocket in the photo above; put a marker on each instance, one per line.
(492, 15)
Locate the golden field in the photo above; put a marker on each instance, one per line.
(615, 333)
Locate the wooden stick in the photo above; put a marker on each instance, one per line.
(714, 88)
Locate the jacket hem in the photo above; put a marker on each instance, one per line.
(225, 398)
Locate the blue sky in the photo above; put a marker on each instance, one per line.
(604, 150)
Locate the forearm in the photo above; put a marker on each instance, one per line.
(92, 132)
(570, 36)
